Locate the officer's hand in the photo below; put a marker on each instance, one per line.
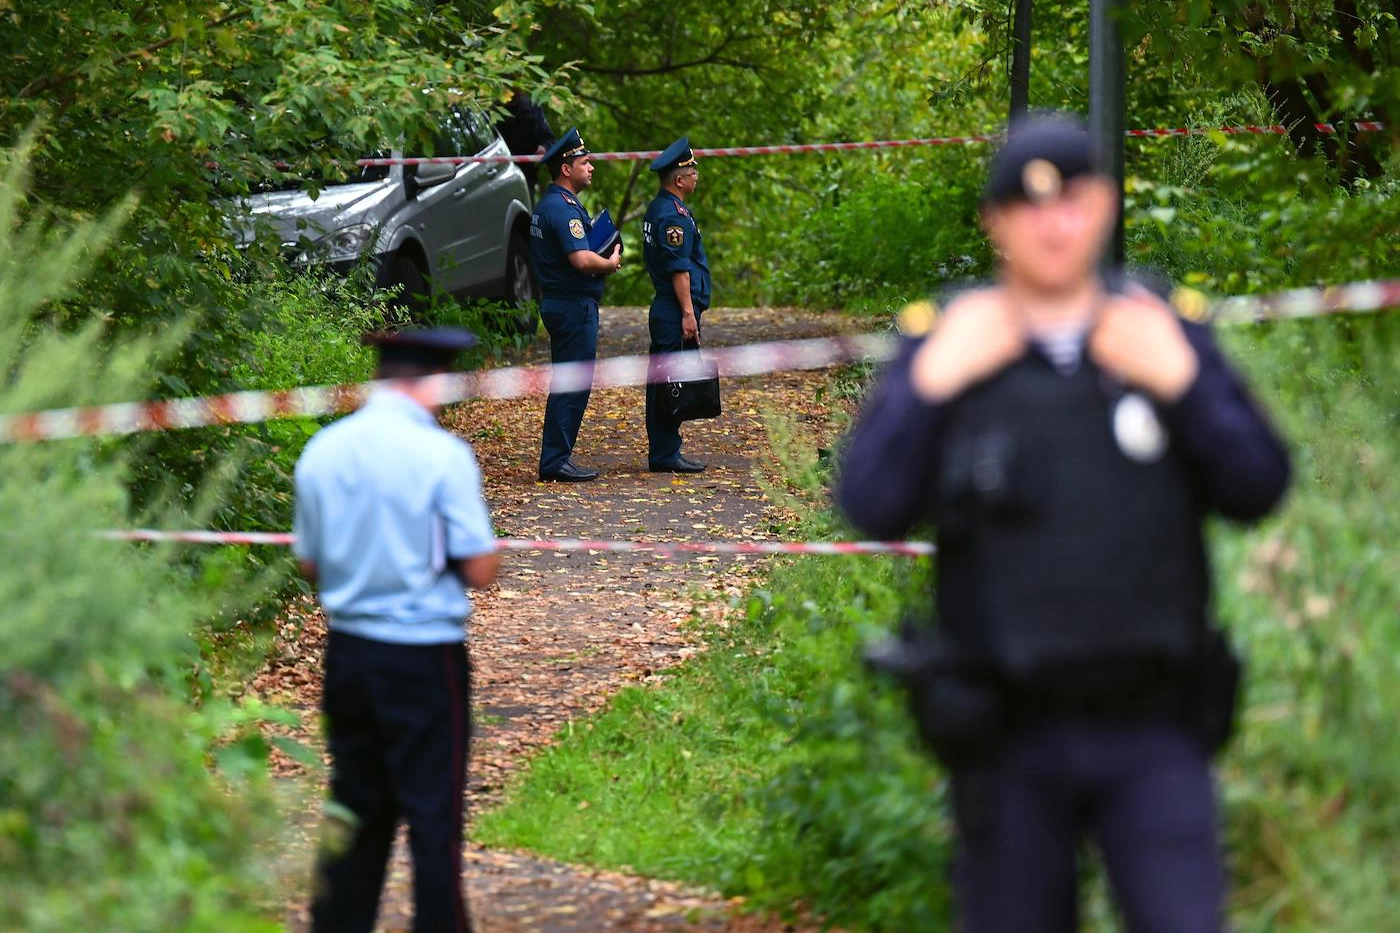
(690, 327)
(976, 337)
(1140, 340)
(615, 257)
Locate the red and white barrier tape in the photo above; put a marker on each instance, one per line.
(508, 382)
(1362, 126)
(663, 548)
(1308, 302)
(517, 382)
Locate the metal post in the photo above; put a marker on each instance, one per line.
(1021, 59)
(1106, 103)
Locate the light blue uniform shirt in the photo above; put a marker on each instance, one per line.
(384, 500)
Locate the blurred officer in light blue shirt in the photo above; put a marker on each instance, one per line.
(391, 526)
(388, 504)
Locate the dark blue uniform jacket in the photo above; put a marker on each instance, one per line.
(560, 226)
(671, 244)
(895, 450)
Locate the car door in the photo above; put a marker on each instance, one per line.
(488, 202)
(441, 211)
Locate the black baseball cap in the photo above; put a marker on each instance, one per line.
(428, 347)
(1042, 151)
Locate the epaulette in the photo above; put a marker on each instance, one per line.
(917, 318)
(1192, 305)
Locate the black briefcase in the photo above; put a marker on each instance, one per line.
(691, 389)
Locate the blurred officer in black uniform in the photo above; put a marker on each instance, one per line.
(1068, 435)
(525, 129)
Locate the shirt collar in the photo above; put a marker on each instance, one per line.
(396, 402)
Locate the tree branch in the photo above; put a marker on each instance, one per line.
(713, 58)
(40, 85)
(626, 204)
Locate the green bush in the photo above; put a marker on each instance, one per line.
(111, 817)
(877, 233)
(1230, 217)
(1223, 213)
(281, 328)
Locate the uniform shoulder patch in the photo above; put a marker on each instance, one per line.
(1190, 304)
(675, 235)
(917, 318)
(576, 228)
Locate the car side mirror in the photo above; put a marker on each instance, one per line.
(429, 176)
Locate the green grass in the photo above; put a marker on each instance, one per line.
(773, 767)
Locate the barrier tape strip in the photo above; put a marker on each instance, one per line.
(664, 548)
(516, 382)
(1361, 126)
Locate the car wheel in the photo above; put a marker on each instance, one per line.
(415, 292)
(522, 291)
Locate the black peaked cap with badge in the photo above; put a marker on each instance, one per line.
(1042, 152)
(566, 148)
(677, 155)
(428, 347)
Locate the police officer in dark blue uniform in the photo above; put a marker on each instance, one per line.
(571, 280)
(1068, 435)
(680, 274)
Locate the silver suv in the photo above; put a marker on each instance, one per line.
(461, 230)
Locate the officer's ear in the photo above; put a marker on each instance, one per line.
(991, 216)
(1099, 194)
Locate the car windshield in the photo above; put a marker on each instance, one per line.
(305, 169)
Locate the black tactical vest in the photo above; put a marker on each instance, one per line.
(1055, 548)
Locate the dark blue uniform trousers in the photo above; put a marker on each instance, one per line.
(1143, 793)
(397, 718)
(573, 336)
(663, 431)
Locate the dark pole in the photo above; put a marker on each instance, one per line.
(1021, 59)
(1106, 99)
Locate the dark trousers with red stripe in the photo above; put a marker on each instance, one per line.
(397, 718)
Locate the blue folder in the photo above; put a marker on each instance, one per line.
(604, 234)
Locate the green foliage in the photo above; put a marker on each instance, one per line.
(876, 235)
(110, 817)
(172, 100)
(1313, 784)
(774, 767)
(308, 333)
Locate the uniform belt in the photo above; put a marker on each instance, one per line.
(1161, 701)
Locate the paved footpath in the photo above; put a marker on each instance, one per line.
(562, 632)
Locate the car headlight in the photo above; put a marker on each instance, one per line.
(346, 243)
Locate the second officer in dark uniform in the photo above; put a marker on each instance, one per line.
(571, 277)
(1068, 435)
(680, 274)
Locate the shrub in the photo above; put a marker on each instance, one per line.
(879, 233)
(110, 816)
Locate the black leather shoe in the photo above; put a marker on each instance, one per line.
(569, 473)
(678, 465)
